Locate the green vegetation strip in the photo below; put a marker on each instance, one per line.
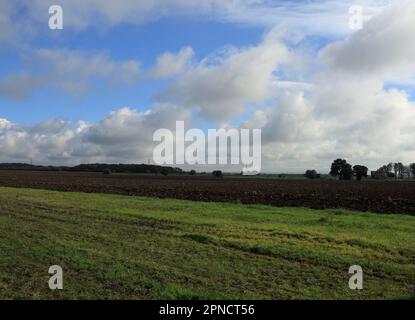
(117, 247)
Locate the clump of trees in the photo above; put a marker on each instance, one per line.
(312, 174)
(217, 174)
(344, 171)
(360, 172)
(395, 170)
(341, 169)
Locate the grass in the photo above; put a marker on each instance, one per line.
(118, 247)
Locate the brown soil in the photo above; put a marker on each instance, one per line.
(375, 196)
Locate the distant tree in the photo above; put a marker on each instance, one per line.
(401, 170)
(336, 167)
(396, 169)
(164, 172)
(312, 174)
(378, 175)
(407, 172)
(391, 175)
(346, 172)
(192, 172)
(340, 168)
(360, 172)
(389, 168)
(382, 173)
(217, 174)
(106, 171)
(412, 168)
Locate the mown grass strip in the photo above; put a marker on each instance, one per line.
(118, 247)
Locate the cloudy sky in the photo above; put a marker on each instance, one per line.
(318, 87)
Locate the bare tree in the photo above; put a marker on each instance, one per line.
(389, 168)
(401, 170)
(407, 172)
(396, 169)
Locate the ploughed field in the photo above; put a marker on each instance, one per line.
(374, 196)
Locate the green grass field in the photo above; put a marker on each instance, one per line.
(117, 247)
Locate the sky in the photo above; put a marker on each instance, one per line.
(317, 86)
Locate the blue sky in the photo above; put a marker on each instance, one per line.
(142, 42)
(317, 87)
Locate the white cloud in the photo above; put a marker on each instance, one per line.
(301, 131)
(170, 64)
(127, 135)
(222, 86)
(384, 48)
(4, 124)
(124, 135)
(345, 110)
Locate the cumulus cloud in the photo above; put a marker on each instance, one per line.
(296, 136)
(291, 120)
(221, 86)
(385, 47)
(171, 64)
(346, 111)
(22, 144)
(4, 124)
(125, 135)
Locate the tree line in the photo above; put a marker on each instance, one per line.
(342, 170)
(395, 170)
(96, 167)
